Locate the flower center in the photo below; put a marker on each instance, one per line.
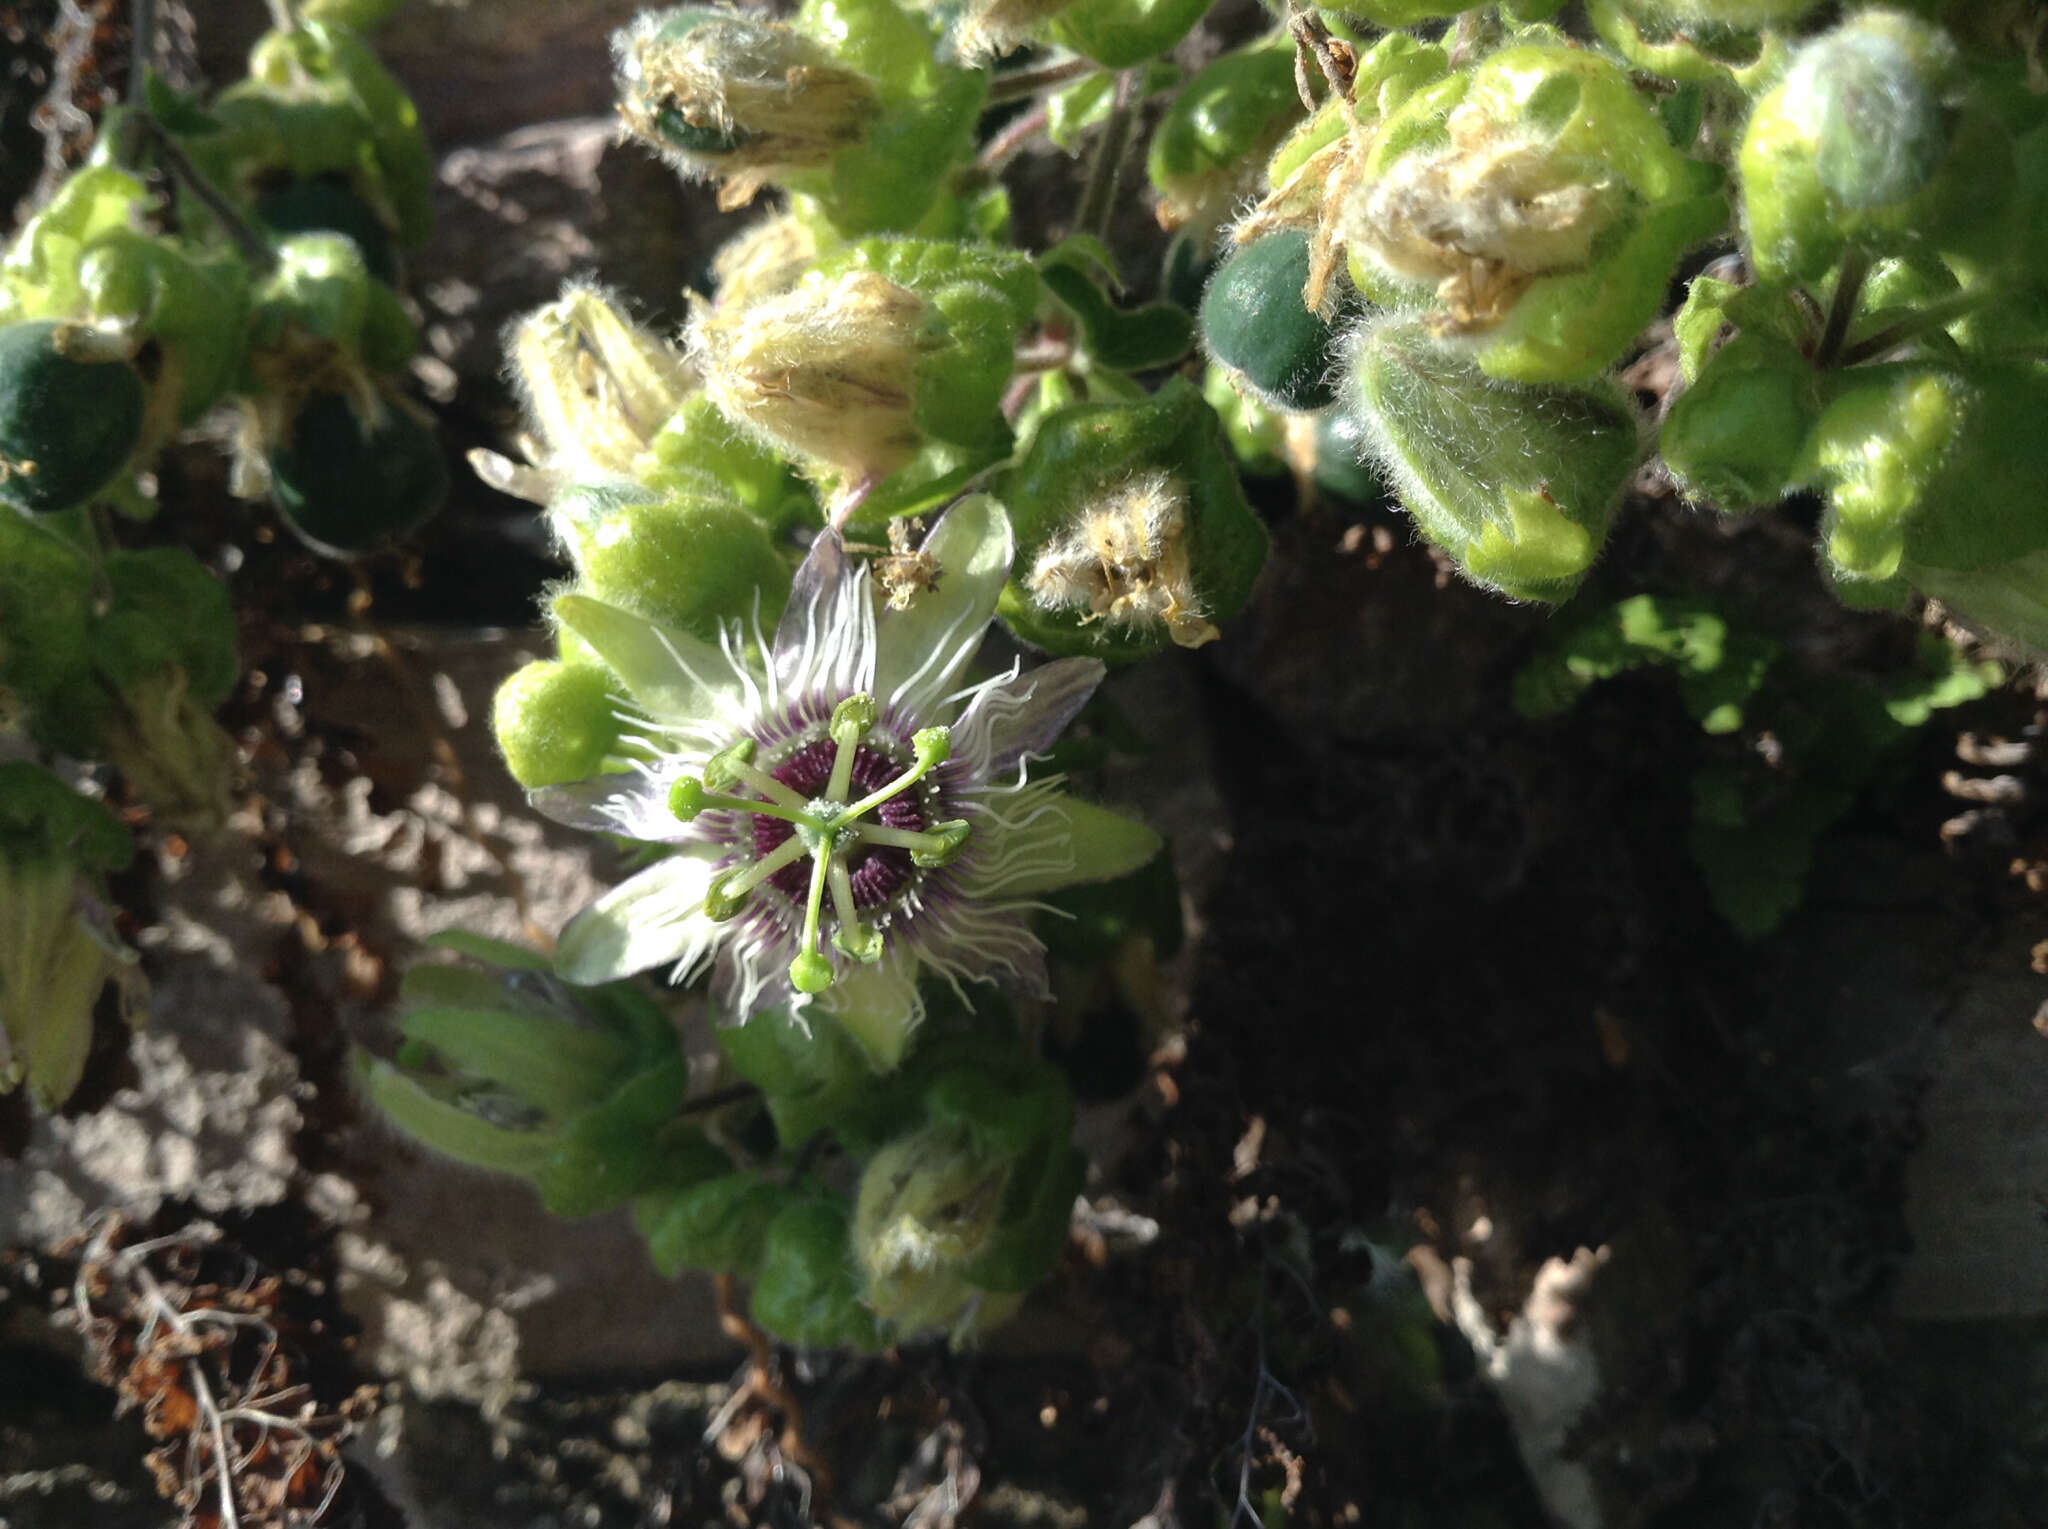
(877, 871)
(841, 803)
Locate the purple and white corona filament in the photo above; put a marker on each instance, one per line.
(846, 809)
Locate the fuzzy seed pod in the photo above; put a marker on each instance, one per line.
(826, 371)
(597, 387)
(726, 97)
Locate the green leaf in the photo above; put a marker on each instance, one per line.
(1126, 340)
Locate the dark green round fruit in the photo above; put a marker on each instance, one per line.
(1341, 469)
(1255, 323)
(67, 425)
(326, 204)
(347, 492)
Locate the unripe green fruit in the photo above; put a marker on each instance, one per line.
(1223, 122)
(1932, 467)
(687, 562)
(1342, 454)
(1517, 483)
(556, 722)
(1734, 435)
(1399, 13)
(1121, 33)
(347, 491)
(326, 203)
(1255, 323)
(67, 424)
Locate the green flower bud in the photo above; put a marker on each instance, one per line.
(1120, 34)
(597, 388)
(1257, 324)
(687, 562)
(1132, 530)
(194, 307)
(70, 416)
(1221, 125)
(328, 204)
(56, 949)
(1931, 467)
(556, 722)
(40, 276)
(826, 371)
(1868, 140)
(1540, 196)
(725, 97)
(1683, 40)
(1516, 483)
(1399, 13)
(313, 67)
(578, 1089)
(348, 479)
(1725, 13)
(876, 350)
(928, 1204)
(697, 454)
(1734, 436)
(896, 178)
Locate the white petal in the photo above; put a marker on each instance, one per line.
(921, 650)
(633, 803)
(655, 919)
(825, 642)
(673, 675)
(1018, 714)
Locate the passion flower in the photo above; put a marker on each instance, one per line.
(845, 811)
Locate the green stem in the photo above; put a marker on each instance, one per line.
(141, 55)
(1016, 84)
(252, 244)
(898, 838)
(1098, 196)
(1842, 310)
(1938, 314)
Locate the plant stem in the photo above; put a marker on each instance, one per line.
(1020, 83)
(141, 55)
(252, 244)
(1842, 310)
(1000, 149)
(1098, 196)
(1938, 314)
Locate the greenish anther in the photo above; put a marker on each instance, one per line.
(827, 828)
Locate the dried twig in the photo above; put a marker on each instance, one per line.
(243, 1443)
